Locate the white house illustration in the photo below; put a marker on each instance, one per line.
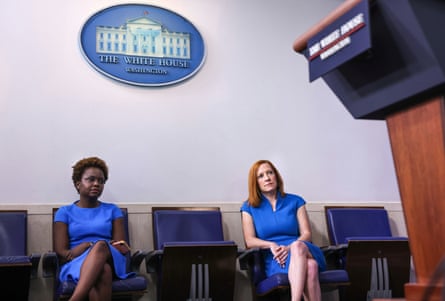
(142, 37)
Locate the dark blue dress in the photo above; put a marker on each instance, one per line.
(90, 225)
(281, 227)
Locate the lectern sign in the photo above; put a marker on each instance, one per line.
(341, 41)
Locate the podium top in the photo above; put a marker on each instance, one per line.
(404, 65)
(301, 42)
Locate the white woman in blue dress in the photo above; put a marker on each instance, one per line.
(278, 221)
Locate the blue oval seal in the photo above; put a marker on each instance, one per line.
(142, 45)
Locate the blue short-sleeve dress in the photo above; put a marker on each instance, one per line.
(90, 225)
(281, 227)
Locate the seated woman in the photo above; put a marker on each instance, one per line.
(89, 235)
(278, 221)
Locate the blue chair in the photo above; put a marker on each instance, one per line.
(377, 262)
(277, 287)
(191, 260)
(16, 267)
(124, 289)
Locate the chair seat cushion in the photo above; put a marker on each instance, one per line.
(137, 283)
(376, 238)
(281, 280)
(271, 283)
(333, 276)
(6, 260)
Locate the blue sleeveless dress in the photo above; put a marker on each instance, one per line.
(90, 225)
(281, 227)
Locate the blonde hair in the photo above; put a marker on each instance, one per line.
(254, 198)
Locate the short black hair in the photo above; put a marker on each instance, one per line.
(81, 165)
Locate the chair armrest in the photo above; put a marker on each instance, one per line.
(50, 265)
(252, 261)
(246, 258)
(153, 261)
(240, 252)
(136, 260)
(376, 238)
(35, 260)
(335, 255)
(334, 249)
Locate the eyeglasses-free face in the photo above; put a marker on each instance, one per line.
(266, 178)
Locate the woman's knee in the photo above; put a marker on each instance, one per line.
(312, 269)
(107, 271)
(299, 248)
(107, 274)
(101, 246)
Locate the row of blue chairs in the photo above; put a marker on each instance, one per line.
(191, 259)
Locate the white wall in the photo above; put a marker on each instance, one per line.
(192, 142)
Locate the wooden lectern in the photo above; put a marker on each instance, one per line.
(401, 79)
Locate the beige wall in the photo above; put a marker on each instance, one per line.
(39, 229)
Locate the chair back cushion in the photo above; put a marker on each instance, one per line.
(346, 223)
(13, 233)
(186, 226)
(127, 237)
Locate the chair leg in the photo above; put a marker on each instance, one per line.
(15, 282)
(284, 295)
(279, 295)
(341, 293)
(275, 296)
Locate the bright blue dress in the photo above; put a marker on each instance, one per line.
(90, 225)
(281, 227)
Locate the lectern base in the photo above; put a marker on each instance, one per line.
(415, 292)
(418, 144)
